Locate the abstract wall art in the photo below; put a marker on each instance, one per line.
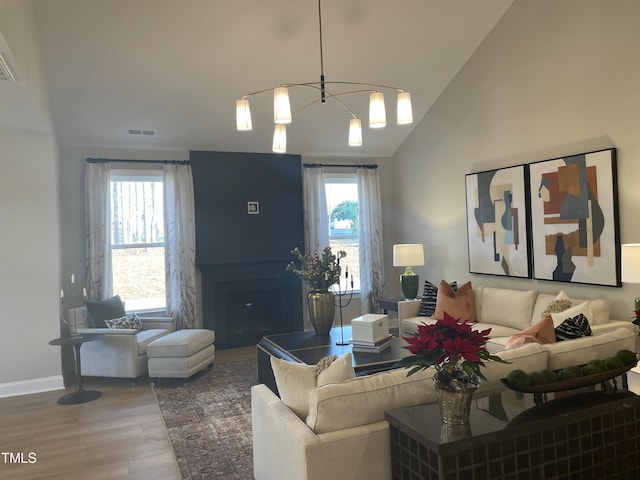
(574, 219)
(497, 213)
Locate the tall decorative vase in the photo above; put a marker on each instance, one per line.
(454, 400)
(321, 305)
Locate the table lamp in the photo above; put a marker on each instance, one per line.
(631, 269)
(408, 255)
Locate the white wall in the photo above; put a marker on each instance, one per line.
(29, 257)
(553, 78)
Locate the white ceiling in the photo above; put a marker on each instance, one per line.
(178, 66)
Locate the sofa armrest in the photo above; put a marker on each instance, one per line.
(109, 331)
(407, 309)
(167, 323)
(280, 437)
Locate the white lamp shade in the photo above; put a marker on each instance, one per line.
(355, 132)
(243, 115)
(631, 263)
(280, 139)
(281, 106)
(377, 112)
(408, 255)
(405, 112)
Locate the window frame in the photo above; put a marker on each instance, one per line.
(344, 178)
(135, 175)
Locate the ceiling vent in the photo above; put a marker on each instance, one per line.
(140, 132)
(6, 75)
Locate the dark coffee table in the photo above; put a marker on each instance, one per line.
(309, 348)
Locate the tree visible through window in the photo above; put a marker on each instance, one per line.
(342, 207)
(137, 240)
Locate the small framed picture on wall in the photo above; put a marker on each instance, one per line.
(253, 208)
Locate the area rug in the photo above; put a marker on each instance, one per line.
(209, 421)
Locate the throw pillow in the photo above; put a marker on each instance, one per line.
(540, 332)
(130, 321)
(573, 328)
(429, 298)
(584, 308)
(459, 304)
(108, 309)
(294, 380)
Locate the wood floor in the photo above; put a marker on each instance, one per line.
(121, 435)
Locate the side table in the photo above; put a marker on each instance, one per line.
(80, 395)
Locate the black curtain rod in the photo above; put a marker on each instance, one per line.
(166, 162)
(319, 165)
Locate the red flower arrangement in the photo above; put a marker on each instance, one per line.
(456, 351)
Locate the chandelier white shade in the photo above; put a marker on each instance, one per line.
(243, 115)
(280, 139)
(355, 132)
(329, 91)
(405, 112)
(281, 105)
(377, 112)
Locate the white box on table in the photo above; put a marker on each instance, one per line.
(369, 327)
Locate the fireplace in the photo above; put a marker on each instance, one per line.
(244, 302)
(249, 217)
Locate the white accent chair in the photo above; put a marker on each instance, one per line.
(121, 353)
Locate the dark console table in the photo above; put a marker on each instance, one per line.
(309, 348)
(587, 436)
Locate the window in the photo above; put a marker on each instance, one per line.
(137, 239)
(342, 209)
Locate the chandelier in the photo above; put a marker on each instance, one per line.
(282, 113)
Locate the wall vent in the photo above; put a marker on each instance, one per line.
(6, 75)
(140, 132)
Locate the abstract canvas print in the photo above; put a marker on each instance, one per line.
(497, 222)
(574, 219)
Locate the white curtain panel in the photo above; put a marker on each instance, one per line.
(316, 228)
(371, 265)
(180, 245)
(98, 230)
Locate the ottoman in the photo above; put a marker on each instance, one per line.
(180, 354)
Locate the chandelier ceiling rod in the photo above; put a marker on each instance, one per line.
(322, 89)
(282, 108)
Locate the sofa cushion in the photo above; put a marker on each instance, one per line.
(585, 349)
(430, 297)
(496, 330)
(459, 304)
(540, 332)
(108, 309)
(573, 328)
(295, 380)
(364, 400)
(511, 308)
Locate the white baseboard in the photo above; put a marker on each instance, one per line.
(27, 387)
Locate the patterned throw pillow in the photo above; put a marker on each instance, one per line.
(429, 298)
(558, 305)
(130, 321)
(573, 328)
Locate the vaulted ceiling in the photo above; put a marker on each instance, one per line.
(178, 66)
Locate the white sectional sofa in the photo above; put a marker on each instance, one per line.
(345, 435)
(508, 312)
